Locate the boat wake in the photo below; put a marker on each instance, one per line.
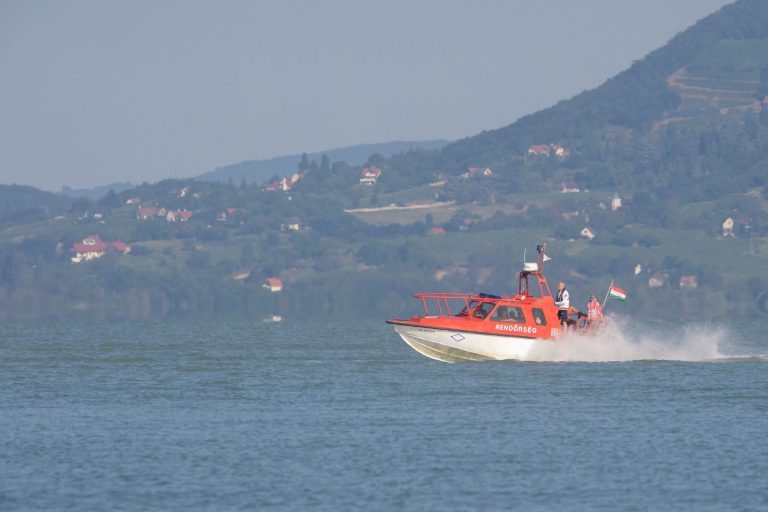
(619, 340)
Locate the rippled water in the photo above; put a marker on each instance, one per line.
(225, 416)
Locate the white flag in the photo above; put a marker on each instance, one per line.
(546, 258)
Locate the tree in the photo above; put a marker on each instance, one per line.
(110, 201)
(304, 163)
(325, 164)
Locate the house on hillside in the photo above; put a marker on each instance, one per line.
(150, 213)
(587, 233)
(93, 247)
(560, 151)
(728, 227)
(133, 200)
(292, 224)
(548, 150)
(226, 213)
(615, 203)
(178, 216)
(284, 184)
(689, 282)
(657, 280)
(370, 175)
(437, 230)
(479, 171)
(570, 188)
(539, 150)
(273, 284)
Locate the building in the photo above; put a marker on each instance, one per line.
(292, 224)
(559, 150)
(370, 175)
(479, 171)
(587, 233)
(657, 281)
(728, 227)
(227, 213)
(283, 184)
(93, 247)
(178, 216)
(437, 230)
(540, 150)
(689, 282)
(273, 284)
(615, 203)
(547, 150)
(570, 188)
(149, 213)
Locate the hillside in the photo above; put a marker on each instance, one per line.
(21, 204)
(256, 171)
(657, 179)
(638, 97)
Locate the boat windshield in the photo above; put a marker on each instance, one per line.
(483, 309)
(467, 308)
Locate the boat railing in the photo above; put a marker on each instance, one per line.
(440, 303)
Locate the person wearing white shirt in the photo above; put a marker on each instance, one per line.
(563, 302)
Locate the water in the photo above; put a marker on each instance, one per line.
(238, 416)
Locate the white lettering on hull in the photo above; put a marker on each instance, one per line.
(516, 328)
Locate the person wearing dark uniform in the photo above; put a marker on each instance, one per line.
(563, 302)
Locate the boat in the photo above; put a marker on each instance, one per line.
(478, 327)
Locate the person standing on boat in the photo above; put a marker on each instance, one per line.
(594, 310)
(563, 302)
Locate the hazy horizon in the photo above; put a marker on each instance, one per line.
(99, 92)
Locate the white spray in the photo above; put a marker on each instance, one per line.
(620, 340)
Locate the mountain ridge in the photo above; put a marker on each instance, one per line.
(261, 170)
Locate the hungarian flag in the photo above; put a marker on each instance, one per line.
(617, 293)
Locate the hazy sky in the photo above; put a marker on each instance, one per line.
(93, 92)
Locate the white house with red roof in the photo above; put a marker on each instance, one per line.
(273, 284)
(547, 150)
(93, 247)
(284, 184)
(150, 213)
(178, 216)
(539, 150)
(370, 175)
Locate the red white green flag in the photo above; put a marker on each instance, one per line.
(617, 293)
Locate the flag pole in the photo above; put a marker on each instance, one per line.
(608, 293)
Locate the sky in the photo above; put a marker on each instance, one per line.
(100, 91)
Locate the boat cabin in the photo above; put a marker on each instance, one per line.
(531, 312)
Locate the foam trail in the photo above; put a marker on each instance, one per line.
(619, 340)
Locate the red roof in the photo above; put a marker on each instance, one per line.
(540, 149)
(84, 248)
(437, 230)
(274, 282)
(120, 247)
(92, 239)
(149, 212)
(183, 215)
(371, 171)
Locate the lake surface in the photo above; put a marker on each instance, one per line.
(343, 416)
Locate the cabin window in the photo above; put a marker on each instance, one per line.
(538, 316)
(512, 314)
(467, 308)
(482, 310)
